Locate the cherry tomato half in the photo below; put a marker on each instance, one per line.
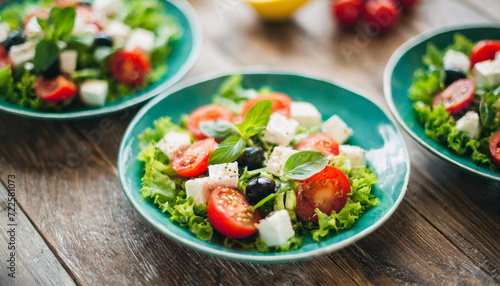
(4, 58)
(56, 89)
(319, 142)
(130, 67)
(383, 13)
(495, 147)
(455, 97)
(281, 103)
(483, 51)
(192, 160)
(347, 12)
(210, 112)
(328, 191)
(228, 212)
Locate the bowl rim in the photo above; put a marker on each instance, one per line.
(194, 23)
(244, 257)
(389, 69)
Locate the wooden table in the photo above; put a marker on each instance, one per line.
(74, 225)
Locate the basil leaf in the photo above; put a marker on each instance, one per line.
(44, 25)
(304, 164)
(220, 129)
(257, 118)
(46, 53)
(228, 151)
(63, 20)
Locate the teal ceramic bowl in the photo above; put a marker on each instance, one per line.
(185, 52)
(373, 130)
(398, 76)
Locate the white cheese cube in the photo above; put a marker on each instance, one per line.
(336, 128)
(33, 29)
(119, 32)
(305, 113)
(276, 228)
(172, 141)
(198, 189)
(469, 124)
(67, 60)
(223, 175)
(109, 7)
(22, 53)
(94, 92)
(487, 74)
(4, 31)
(278, 159)
(355, 154)
(141, 38)
(280, 130)
(457, 60)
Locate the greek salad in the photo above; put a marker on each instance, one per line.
(256, 170)
(61, 53)
(457, 98)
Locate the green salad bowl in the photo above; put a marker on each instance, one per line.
(398, 77)
(185, 52)
(373, 129)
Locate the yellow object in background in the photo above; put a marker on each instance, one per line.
(276, 10)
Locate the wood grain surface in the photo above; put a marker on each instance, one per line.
(445, 232)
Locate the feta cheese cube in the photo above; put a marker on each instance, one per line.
(4, 31)
(457, 60)
(278, 159)
(336, 128)
(223, 175)
(355, 154)
(172, 141)
(469, 124)
(94, 92)
(119, 32)
(109, 7)
(276, 228)
(305, 113)
(22, 53)
(280, 130)
(33, 29)
(67, 60)
(487, 74)
(198, 189)
(141, 38)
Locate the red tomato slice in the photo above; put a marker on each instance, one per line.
(328, 191)
(207, 113)
(319, 142)
(55, 90)
(229, 213)
(192, 160)
(281, 103)
(495, 147)
(483, 51)
(384, 13)
(455, 97)
(4, 58)
(131, 67)
(347, 12)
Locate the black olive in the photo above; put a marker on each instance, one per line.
(252, 157)
(102, 39)
(452, 75)
(53, 70)
(15, 38)
(259, 188)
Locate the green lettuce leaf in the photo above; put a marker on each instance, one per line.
(232, 95)
(162, 126)
(425, 85)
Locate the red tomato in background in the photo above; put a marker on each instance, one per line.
(130, 67)
(455, 97)
(319, 142)
(281, 103)
(4, 58)
(210, 112)
(228, 212)
(483, 51)
(57, 89)
(192, 160)
(42, 13)
(328, 191)
(347, 12)
(495, 147)
(384, 14)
